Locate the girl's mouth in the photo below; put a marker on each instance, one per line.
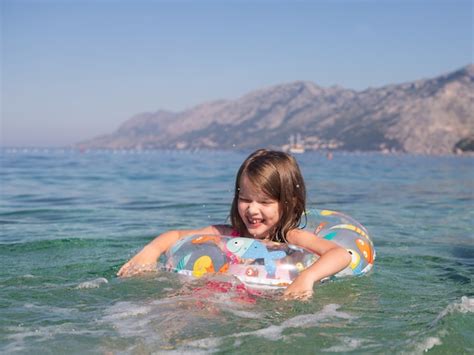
(254, 223)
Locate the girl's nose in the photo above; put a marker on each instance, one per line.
(253, 208)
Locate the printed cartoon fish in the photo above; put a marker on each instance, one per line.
(202, 266)
(355, 258)
(366, 250)
(251, 271)
(246, 248)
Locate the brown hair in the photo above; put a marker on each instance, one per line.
(278, 175)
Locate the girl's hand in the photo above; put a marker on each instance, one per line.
(301, 289)
(144, 261)
(333, 259)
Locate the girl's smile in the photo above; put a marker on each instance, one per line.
(259, 212)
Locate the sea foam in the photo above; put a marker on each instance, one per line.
(93, 283)
(275, 332)
(465, 306)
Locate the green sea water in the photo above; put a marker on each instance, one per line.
(70, 220)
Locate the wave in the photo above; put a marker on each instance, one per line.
(427, 344)
(93, 283)
(45, 244)
(275, 332)
(465, 306)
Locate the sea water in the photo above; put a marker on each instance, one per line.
(69, 220)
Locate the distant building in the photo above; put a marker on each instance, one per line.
(296, 145)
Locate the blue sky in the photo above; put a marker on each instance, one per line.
(72, 70)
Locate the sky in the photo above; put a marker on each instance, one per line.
(75, 69)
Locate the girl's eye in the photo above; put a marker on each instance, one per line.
(244, 199)
(263, 202)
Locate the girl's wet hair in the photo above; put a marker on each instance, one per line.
(278, 175)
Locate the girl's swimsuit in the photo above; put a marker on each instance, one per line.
(235, 233)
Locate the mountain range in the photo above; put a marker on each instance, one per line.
(427, 116)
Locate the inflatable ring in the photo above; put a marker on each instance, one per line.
(268, 264)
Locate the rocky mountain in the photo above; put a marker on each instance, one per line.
(429, 116)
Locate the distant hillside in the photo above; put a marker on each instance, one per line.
(432, 116)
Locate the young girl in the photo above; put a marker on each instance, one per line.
(269, 200)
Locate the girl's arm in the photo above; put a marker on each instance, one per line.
(333, 259)
(146, 259)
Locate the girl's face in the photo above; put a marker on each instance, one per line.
(259, 212)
